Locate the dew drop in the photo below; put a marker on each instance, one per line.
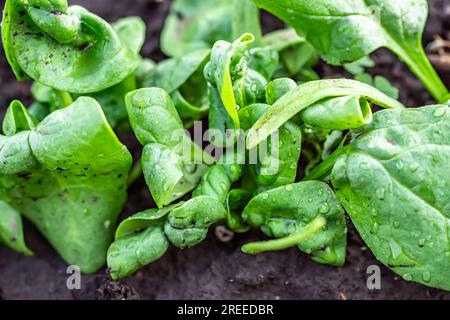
(364, 165)
(289, 187)
(407, 276)
(413, 167)
(265, 195)
(380, 193)
(426, 276)
(324, 208)
(399, 165)
(439, 112)
(375, 228)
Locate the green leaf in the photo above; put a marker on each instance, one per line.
(237, 200)
(217, 181)
(183, 79)
(131, 31)
(379, 82)
(296, 54)
(264, 61)
(141, 221)
(196, 24)
(69, 49)
(278, 88)
(307, 95)
(394, 182)
(246, 20)
(112, 101)
(286, 211)
(226, 66)
(273, 163)
(347, 112)
(346, 31)
(129, 254)
(359, 66)
(68, 176)
(172, 163)
(17, 119)
(11, 229)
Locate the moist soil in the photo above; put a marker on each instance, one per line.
(213, 269)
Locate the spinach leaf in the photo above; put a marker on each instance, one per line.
(237, 78)
(11, 230)
(68, 176)
(17, 119)
(306, 214)
(359, 66)
(297, 56)
(228, 65)
(278, 88)
(246, 20)
(67, 48)
(345, 31)
(131, 31)
(172, 163)
(379, 82)
(308, 95)
(196, 24)
(394, 182)
(274, 163)
(183, 79)
(112, 100)
(237, 200)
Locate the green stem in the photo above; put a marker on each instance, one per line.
(135, 173)
(324, 168)
(66, 98)
(419, 64)
(287, 242)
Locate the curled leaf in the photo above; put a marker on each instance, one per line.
(68, 176)
(286, 211)
(67, 48)
(341, 113)
(307, 95)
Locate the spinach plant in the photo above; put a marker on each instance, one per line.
(144, 237)
(64, 169)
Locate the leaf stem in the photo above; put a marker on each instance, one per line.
(324, 168)
(419, 64)
(66, 98)
(287, 242)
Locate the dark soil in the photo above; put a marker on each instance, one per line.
(215, 270)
